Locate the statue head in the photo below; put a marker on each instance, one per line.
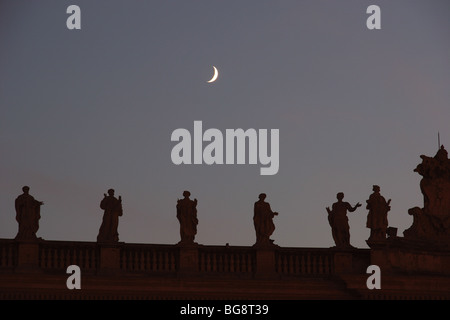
(186, 194)
(376, 188)
(26, 189)
(340, 196)
(262, 196)
(111, 192)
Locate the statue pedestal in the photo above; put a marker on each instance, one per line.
(399, 255)
(379, 254)
(109, 258)
(343, 262)
(188, 259)
(265, 262)
(28, 257)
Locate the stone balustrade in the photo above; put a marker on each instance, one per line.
(92, 257)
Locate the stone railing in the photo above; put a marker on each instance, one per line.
(149, 258)
(302, 261)
(8, 253)
(200, 260)
(57, 255)
(213, 259)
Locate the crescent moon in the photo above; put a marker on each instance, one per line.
(216, 74)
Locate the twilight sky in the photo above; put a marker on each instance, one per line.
(86, 110)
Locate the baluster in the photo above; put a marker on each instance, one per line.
(144, 258)
(56, 258)
(135, 259)
(4, 252)
(43, 254)
(212, 257)
(164, 260)
(51, 257)
(155, 260)
(220, 262)
(217, 262)
(237, 262)
(313, 264)
(292, 264)
(295, 264)
(82, 257)
(161, 260)
(321, 264)
(139, 260)
(245, 262)
(225, 262)
(208, 261)
(75, 256)
(93, 258)
(289, 263)
(301, 261)
(213, 261)
(327, 264)
(9, 256)
(86, 258)
(308, 263)
(64, 257)
(232, 266)
(131, 260)
(170, 260)
(3, 255)
(128, 260)
(125, 259)
(158, 260)
(3, 261)
(201, 261)
(288, 258)
(151, 259)
(148, 260)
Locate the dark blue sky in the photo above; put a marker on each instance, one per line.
(92, 109)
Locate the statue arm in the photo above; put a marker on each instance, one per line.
(352, 209)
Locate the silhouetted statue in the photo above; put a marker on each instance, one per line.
(337, 217)
(432, 222)
(377, 220)
(263, 221)
(187, 215)
(112, 211)
(28, 213)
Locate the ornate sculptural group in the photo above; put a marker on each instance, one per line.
(432, 222)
